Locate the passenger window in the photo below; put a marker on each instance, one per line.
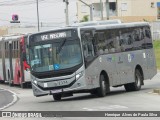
(100, 42)
(111, 36)
(126, 39)
(138, 35)
(148, 39)
(147, 33)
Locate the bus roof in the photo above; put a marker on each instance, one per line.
(92, 23)
(99, 26)
(11, 37)
(113, 26)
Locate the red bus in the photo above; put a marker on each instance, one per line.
(13, 66)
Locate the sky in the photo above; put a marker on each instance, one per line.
(51, 12)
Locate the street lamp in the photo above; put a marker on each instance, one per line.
(38, 16)
(91, 9)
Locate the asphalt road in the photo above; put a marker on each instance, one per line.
(7, 98)
(117, 100)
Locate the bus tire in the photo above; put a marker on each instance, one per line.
(22, 85)
(101, 91)
(128, 87)
(10, 82)
(138, 81)
(137, 84)
(57, 97)
(93, 92)
(2, 81)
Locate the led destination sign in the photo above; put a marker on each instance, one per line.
(51, 36)
(54, 36)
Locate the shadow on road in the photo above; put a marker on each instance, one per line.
(87, 96)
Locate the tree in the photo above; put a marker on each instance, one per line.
(85, 18)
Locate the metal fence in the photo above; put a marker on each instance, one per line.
(155, 28)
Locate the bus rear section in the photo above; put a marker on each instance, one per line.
(12, 61)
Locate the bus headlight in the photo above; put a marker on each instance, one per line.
(33, 79)
(79, 75)
(35, 82)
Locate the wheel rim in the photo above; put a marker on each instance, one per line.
(9, 79)
(138, 80)
(103, 85)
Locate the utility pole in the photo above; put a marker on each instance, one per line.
(107, 9)
(66, 11)
(91, 9)
(38, 15)
(101, 8)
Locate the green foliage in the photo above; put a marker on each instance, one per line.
(156, 44)
(85, 18)
(157, 52)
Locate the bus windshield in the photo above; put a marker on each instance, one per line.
(55, 56)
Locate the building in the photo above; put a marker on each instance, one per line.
(126, 10)
(22, 30)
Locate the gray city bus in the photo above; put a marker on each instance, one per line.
(91, 58)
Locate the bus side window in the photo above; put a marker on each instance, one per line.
(115, 38)
(88, 48)
(148, 39)
(126, 39)
(101, 44)
(147, 32)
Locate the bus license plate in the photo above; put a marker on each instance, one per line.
(56, 91)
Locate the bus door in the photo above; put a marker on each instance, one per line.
(91, 64)
(1, 65)
(3, 47)
(10, 76)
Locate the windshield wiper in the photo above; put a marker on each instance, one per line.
(60, 48)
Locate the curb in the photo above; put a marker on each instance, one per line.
(156, 91)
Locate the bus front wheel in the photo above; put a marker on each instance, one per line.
(101, 91)
(57, 97)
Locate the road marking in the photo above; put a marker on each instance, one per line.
(12, 102)
(2, 90)
(110, 107)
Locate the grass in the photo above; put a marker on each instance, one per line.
(157, 52)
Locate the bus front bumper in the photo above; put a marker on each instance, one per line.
(77, 86)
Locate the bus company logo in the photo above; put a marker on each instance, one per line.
(130, 57)
(109, 59)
